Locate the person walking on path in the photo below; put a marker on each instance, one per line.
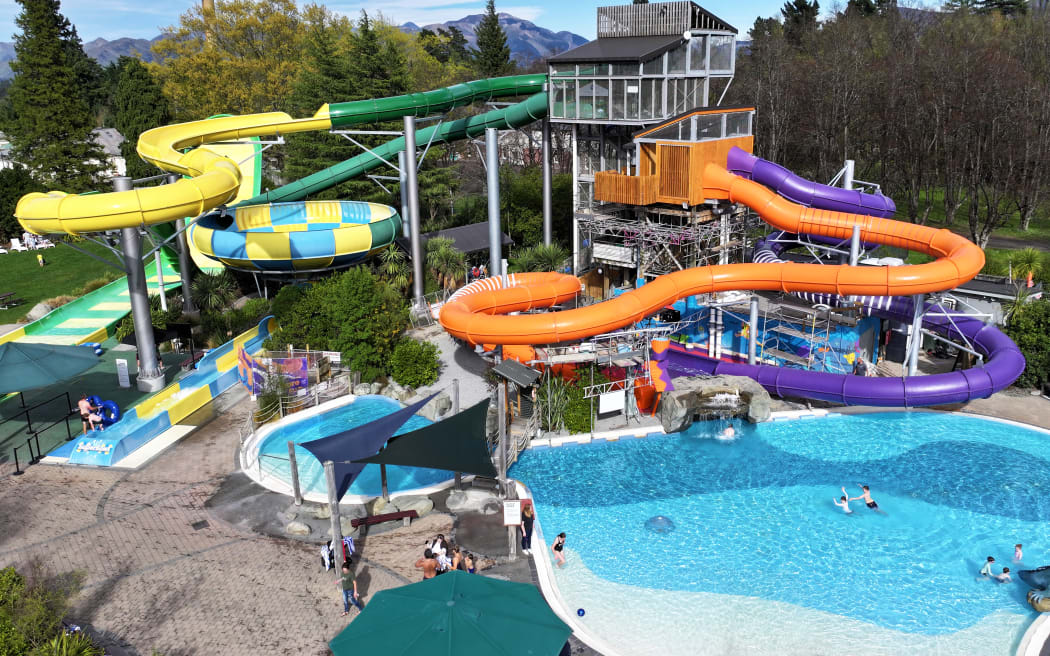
(428, 564)
(349, 582)
(528, 516)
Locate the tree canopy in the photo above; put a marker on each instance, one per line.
(492, 58)
(50, 120)
(139, 105)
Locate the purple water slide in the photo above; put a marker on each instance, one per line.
(1004, 363)
(806, 192)
(1003, 360)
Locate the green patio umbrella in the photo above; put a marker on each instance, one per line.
(455, 614)
(29, 366)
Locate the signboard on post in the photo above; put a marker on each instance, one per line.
(511, 513)
(122, 373)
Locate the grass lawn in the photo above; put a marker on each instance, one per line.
(66, 271)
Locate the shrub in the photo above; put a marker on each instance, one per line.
(214, 291)
(1029, 327)
(415, 363)
(57, 301)
(353, 313)
(97, 283)
(285, 300)
(32, 605)
(578, 407)
(69, 644)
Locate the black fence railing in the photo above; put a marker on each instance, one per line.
(34, 431)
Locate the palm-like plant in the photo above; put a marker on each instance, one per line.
(539, 258)
(445, 261)
(393, 266)
(69, 644)
(213, 292)
(1027, 262)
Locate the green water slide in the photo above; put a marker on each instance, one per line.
(420, 105)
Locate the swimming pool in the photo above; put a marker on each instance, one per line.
(761, 561)
(334, 417)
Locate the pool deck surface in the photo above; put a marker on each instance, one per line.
(180, 559)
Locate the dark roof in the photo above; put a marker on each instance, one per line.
(458, 443)
(516, 373)
(469, 238)
(998, 286)
(619, 49)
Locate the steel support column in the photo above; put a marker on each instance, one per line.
(150, 377)
(915, 343)
(185, 262)
(547, 186)
(413, 208)
(495, 234)
(402, 164)
(752, 332)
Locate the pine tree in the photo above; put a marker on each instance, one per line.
(800, 18)
(88, 72)
(139, 105)
(492, 58)
(50, 124)
(1005, 7)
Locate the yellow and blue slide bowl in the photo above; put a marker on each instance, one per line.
(296, 237)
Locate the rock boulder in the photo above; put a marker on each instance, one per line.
(362, 389)
(437, 407)
(297, 528)
(38, 311)
(679, 407)
(422, 505)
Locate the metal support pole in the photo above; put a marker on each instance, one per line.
(854, 245)
(402, 164)
(501, 401)
(160, 281)
(752, 332)
(333, 505)
(495, 234)
(847, 175)
(547, 185)
(150, 377)
(185, 262)
(413, 208)
(455, 411)
(382, 478)
(915, 343)
(296, 491)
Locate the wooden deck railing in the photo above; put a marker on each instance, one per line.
(615, 187)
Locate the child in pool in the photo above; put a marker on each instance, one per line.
(986, 571)
(559, 544)
(1017, 553)
(1004, 577)
(843, 503)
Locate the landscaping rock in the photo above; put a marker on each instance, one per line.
(422, 505)
(679, 407)
(297, 528)
(382, 506)
(492, 506)
(38, 311)
(362, 388)
(437, 407)
(375, 388)
(321, 512)
(469, 500)
(346, 527)
(291, 513)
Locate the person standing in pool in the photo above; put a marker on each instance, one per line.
(557, 548)
(866, 495)
(1017, 553)
(843, 503)
(986, 571)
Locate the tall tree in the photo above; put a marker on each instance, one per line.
(243, 59)
(139, 105)
(492, 58)
(90, 77)
(15, 182)
(50, 123)
(800, 18)
(1006, 7)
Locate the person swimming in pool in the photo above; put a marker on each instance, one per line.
(843, 503)
(866, 495)
(986, 571)
(1004, 577)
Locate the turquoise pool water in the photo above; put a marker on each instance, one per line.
(754, 521)
(273, 451)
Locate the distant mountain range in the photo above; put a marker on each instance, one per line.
(103, 51)
(528, 42)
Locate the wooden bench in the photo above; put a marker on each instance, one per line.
(10, 302)
(192, 360)
(406, 515)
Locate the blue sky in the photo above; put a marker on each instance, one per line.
(145, 18)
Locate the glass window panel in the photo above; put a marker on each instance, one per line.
(601, 98)
(654, 66)
(676, 59)
(737, 124)
(633, 91)
(669, 133)
(570, 99)
(625, 69)
(721, 52)
(658, 98)
(609, 156)
(709, 126)
(595, 154)
(616, 104)
(697, 54)
(558, 102)
(647, 99)
(586, 98)
(563, 69)
(587, 69)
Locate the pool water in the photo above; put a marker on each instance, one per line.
(755, 524)
(273, 451)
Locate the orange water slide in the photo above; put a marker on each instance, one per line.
(480, 318)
